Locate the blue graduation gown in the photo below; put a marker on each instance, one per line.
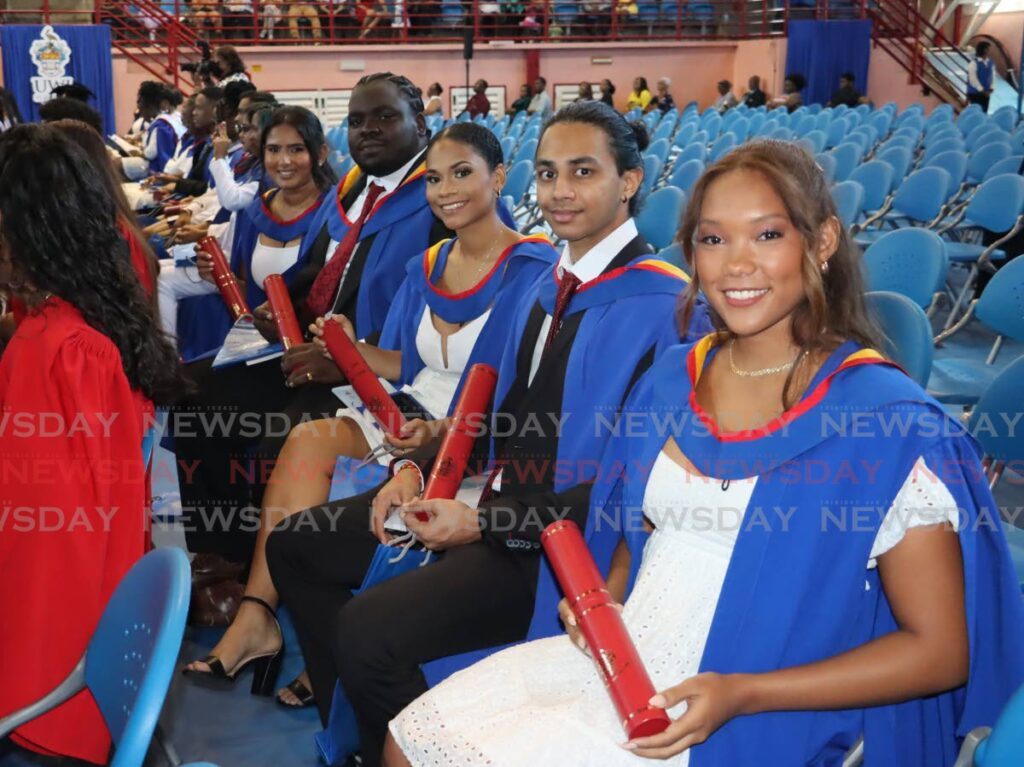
(257, 219)
(502, 290)
(400, 228)
(800, 591)
(166, 143)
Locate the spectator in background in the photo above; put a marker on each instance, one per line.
(595, 17)
(540, 104)
(608, 92)
(640, 98)
(754, 97)
(663, 102)
(479, 104)
(231, 66)
(522, 103)
(271, 15)
(9, 114)
(791, 97)
(297, 9)
(846, 94)
(980, 77)
(726, 100)
(238, 20)
(586, 92)
(626, 10)
(205, 17)
(65, 108)
(369, 13)
(434, 104)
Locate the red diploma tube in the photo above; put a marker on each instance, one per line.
(224, 279)
(450, 464)
(284, 313)
(601, 625)
(347, 357)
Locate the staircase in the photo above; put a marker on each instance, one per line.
(151, 37)
(921, 48)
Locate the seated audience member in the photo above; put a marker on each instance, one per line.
(297, 10)
(726, 100)
(369, 13)
(608, 92)
(453, 311)
(479, 103)
(879, 631)
(235, 193)
(143, 261)
(540, 104)
(204, 120)
(595, 17)
(161, 137)
(522, 103)
(585, 92)
(238, 20)
(271, 15)
(353, 261)
(791, 97)
(66, 108)
(663, 102)
(754, 97)
(614, 301)
(434, 103)
(87, 354)
(640, 96)
(846, 94)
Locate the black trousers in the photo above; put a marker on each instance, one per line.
(226, 439)
(981, 99)
(475, 596)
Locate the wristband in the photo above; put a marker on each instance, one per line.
(406, 463)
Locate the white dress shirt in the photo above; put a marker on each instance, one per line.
(231, 194)
(390, 182)
(588, 268)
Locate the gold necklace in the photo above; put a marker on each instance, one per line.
(763, 371)
(487, 260)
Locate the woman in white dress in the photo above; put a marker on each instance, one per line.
(776, 630)
(452, 311)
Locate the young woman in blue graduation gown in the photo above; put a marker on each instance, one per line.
(268, 234)
(826, 559)
(453, 310)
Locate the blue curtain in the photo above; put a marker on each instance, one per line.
(90, 65)
(823, 50)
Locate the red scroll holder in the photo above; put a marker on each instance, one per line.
(348, 359)
(288, 327)
(224, 279)
(601, 624)
(450, 464)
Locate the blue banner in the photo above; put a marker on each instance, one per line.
(37, 58)
(823, 50)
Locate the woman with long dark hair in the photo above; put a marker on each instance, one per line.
(142, 258)
(779, 618)
(82, 372)
(9, 113)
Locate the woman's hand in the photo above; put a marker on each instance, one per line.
(711, 701)
(397, 491)
(190, 233)
(317, 331)
(572, 628)
(417, 433)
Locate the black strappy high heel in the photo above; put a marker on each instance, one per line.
(266, 667)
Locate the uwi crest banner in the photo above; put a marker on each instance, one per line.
(37, 58)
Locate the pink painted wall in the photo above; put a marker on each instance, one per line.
(888, 81)
(1007, 28)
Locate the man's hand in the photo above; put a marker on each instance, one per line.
(304, 364)
(400, 489)
(263, 321)
(449, 523)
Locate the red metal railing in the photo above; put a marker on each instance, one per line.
(159, 37)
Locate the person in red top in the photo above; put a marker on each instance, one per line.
(478, 104)
(78, 380)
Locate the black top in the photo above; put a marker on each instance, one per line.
(846, 95)
(755, 98)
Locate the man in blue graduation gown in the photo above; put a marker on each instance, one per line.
(388, 138)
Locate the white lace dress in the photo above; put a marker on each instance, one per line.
(543, 704)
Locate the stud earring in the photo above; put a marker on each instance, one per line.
(824, 267)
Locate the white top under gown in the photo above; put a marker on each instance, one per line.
(542, 703)
(434, 386)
